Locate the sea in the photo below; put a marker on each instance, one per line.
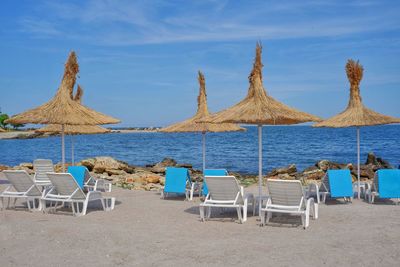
(235, 151)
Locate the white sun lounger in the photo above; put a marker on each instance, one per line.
(23, 187)
(225, 192)
(66, 190)
(41, 168)
(287, 196)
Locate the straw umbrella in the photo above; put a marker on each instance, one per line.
(192, 124)
(261, 109)
(356, 114)
(2, 130)
(62, 109)
(74, 129)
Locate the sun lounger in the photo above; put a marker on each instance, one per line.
(211, 172)
(225, 192)
(41, 167)
(85, 180)
(66, 190)
(177, 181)
(335, 184)
(287, 196)
(386, 185)
(23, 187)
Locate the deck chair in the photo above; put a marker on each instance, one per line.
(225, 192)
(335, 184)
(66, 190)
(22, 187)
(211, 172)
(41, 167)
(386, 185)
(177, 181)
(287, 196)
(85, 180)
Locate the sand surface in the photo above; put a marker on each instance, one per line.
(144, 230)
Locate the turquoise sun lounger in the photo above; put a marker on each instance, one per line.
(177, 181)
(211, 172)
(85, 180)
(386, 185)
(336, 184)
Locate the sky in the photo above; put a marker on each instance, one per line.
(139, 59)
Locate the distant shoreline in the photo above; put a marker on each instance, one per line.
(30, 134)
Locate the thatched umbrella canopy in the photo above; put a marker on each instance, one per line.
(74, 129)
(2, 130)
(356, 114)
(193, 124)
(62, 109)
(259, 108)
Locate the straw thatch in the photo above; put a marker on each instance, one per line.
(260, 108)
(356, 114)
(74, 129)
(191, 125)
(62, 109)
(2, 130)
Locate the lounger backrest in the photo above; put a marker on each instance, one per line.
(340, 183)
(176, 180)
(22, 182)
(41, 167)
(388, 183)
(212, 172)
(66, 185)
(223, 188)
(285, 192)
(80, 173)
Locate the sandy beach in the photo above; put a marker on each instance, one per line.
(145, 230)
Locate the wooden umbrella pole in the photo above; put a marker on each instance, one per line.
(204, 150)
(259, 167)
(62, 148)
(358, 162)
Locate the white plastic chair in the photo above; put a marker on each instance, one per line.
(22, 187)
(287, 196)
(66, 190)
(225, 192)
(41, 168)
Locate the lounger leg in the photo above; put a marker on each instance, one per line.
(262, 217)
(239, 212)
(2, 203)
(303, 220)
(202, 213)
(245, 213)
(315, 211)
(208, 212)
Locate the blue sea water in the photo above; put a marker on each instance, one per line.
(238, 151)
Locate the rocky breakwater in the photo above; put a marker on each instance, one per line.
(317, 172)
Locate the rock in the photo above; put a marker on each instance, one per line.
(4, 167)
(109, 165)
(371, 159)
(384, 164)
(160, 166)
(291, 169)
(27, 165)
(153, 178)
(184, 165)
(88, 163)
(162, 180)
(326, 164)
(316, 174)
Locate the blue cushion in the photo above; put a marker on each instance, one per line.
(340, 183)
(79, 173)
(389, 183)
(175, 180)
(212, 172)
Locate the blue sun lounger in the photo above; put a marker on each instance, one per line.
(85, 180)
(177, 181)
(336, 184)
(386, 185)
(211, 172)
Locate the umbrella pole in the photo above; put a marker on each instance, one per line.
(259, 168)
(72, 150)
(62, 148)
(204, 150)
(358, 162)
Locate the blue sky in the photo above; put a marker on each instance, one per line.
(139, 59)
